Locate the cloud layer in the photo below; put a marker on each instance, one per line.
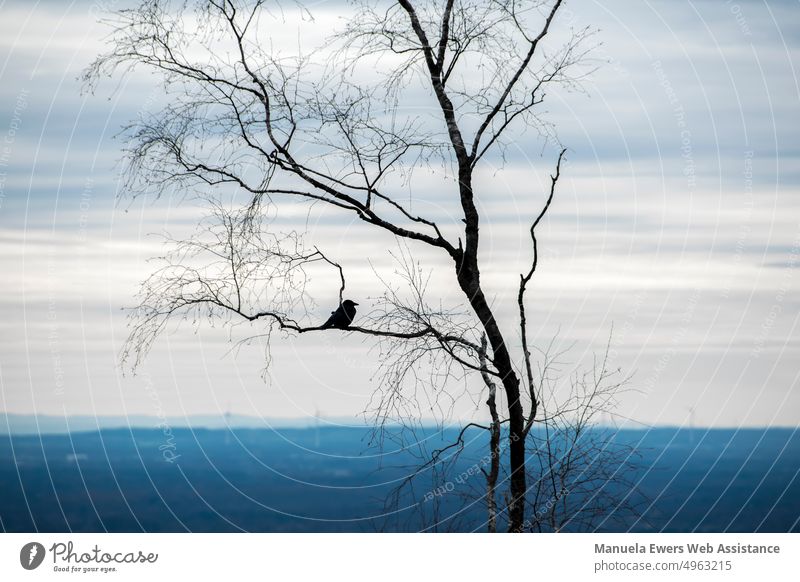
(676, 223)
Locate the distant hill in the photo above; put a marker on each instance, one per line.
(49, 424)
(336, 479)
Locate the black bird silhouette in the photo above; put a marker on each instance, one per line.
(342, 317)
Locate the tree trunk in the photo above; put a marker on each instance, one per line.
(468, 274)
(494, 443)
(516, 444)
(468, 278)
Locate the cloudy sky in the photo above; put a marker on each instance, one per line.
(677, 224)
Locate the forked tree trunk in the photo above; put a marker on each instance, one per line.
(468, 274)
(511, 385)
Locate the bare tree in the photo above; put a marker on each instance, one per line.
(245, 117)
(583, 476)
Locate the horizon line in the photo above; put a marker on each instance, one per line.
(34, 423)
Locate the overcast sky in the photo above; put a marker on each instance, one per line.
(677, 222)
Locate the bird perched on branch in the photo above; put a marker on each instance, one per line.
(342, 317)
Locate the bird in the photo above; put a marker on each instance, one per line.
(342, 317)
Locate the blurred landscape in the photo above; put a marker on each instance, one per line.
(331, 479)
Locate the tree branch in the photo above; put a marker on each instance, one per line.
(514, 79)
(523, 283)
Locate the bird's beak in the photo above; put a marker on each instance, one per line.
(354, 303)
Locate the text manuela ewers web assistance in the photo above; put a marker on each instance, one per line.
(706, 548)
